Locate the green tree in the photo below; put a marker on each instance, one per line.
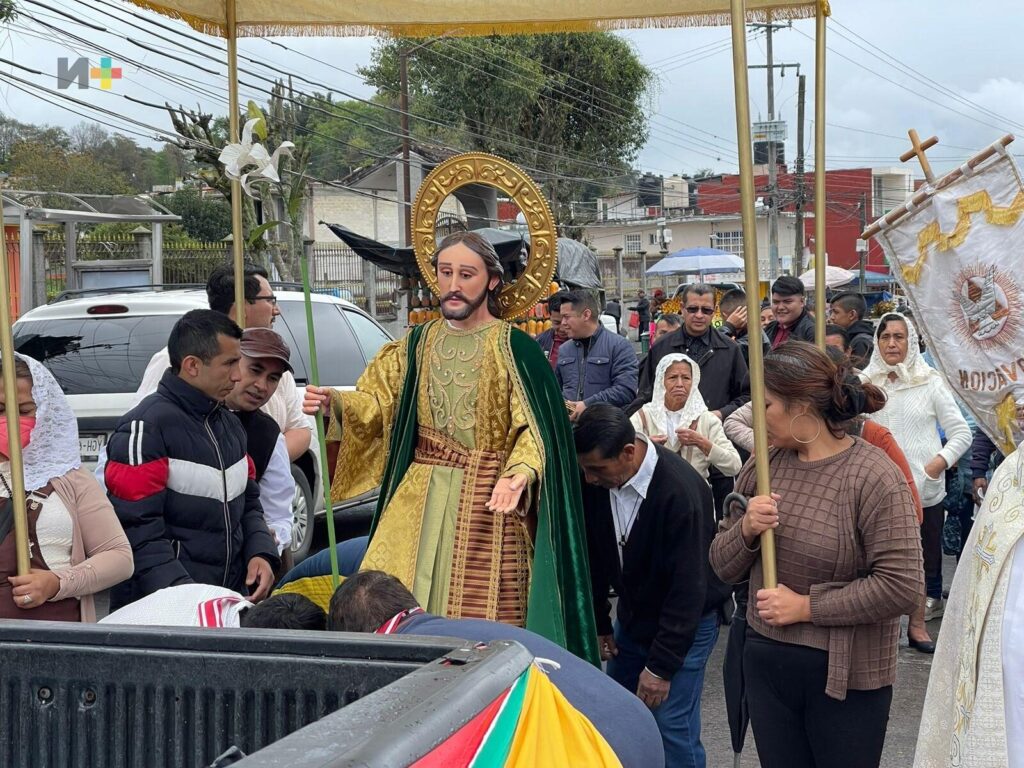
(46, 168)
(203, 218)
(570, 107)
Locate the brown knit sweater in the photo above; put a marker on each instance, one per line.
(848, 536)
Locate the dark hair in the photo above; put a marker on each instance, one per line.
(838, 330)
(887, 318)
(731, 301)
(673, 320)
(367, 599)
(220, 287)
(850, 300)
(285, 611)
(557, 300)
(482, 248)
(584, 300)
(196, 335)
(603, 428)
(697, 289)
(787, 285)
(800, 372)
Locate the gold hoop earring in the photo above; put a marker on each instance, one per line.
(792, 431)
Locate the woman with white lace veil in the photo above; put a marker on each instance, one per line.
(678, 418)
(918, 405)
(76, 544)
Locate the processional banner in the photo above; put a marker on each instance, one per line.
(959, 256)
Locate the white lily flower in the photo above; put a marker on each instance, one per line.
(237, 159)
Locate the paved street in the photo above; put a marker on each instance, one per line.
(904, 717)
(908, 695)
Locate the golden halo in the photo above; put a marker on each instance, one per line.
(520, 295)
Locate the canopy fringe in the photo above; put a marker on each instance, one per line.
(800, 10)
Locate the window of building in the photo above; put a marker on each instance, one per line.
(652, 238)
(729, 241)
(878, 204)
(633, 242)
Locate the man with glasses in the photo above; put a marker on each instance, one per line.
(724, 383)
(285, 407)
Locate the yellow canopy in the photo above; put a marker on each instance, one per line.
(422, 18)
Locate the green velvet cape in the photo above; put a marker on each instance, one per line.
(559, 606)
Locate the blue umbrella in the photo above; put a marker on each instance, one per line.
(697, 261)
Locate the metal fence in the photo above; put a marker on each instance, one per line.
(336, 269)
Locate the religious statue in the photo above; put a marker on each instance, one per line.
(463, 426)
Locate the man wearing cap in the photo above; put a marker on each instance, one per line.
(264, 361)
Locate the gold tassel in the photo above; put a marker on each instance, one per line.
(793, 10)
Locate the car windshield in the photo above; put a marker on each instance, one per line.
(95, 355)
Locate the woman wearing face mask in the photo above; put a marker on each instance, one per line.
(919, 403)
(677, 418)
(820, 653)
(76, 544)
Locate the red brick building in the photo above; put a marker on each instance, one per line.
(853, 196)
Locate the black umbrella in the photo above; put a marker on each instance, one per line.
(732, 669)
(402, 261)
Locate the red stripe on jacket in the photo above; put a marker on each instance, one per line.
(136, 482)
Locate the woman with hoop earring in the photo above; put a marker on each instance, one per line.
(820, 653)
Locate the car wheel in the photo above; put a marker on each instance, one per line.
(302, 517)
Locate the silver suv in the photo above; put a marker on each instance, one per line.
(98, 344)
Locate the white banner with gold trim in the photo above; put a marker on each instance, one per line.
(960, 259)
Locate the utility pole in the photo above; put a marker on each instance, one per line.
(862, 245)
(772, 193)
(775, 268)
(798, 250)
(403, 107)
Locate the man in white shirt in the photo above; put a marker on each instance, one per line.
(264, 364)
(649, 529)
(285, 407)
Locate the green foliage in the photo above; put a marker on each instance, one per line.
(85, 159)
(571, 104)
(347, 135)
(36, 166)
(8, 10)
(202, 218)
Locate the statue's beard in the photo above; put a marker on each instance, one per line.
(469, 305)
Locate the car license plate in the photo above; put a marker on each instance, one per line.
(89, 446)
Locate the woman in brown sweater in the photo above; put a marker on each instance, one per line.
(820, 654)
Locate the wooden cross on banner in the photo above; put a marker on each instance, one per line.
(918, 148)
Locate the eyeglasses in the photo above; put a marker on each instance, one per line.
(271, 299)
(701, 310)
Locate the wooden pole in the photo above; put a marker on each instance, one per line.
(819, 179)
(896, 214)
(751, 274)
(12, 411)
(237, 241)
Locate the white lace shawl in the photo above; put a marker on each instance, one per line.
(53, 447)
(692, 409)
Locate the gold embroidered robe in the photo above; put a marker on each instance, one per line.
(459, 559)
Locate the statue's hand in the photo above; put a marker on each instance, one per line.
(508, 491)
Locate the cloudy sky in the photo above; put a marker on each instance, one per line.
(953, 69)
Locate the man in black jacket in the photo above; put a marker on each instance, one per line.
(724, 382)
(848, 310)
(789, 305)
(649, 529)
(733, 307)
(179, 476)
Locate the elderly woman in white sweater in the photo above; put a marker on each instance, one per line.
(919, 403)
(678, 418)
